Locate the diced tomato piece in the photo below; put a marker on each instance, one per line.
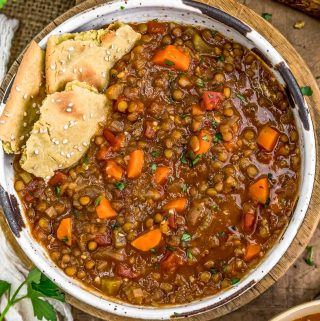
(172, 262)
(103, 153)
(172, 219)
(57, 179)
(156, 27)
(212, 100)
(248, 222)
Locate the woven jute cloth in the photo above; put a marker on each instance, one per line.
(33, 17)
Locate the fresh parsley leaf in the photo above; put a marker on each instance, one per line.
(217, 137)
(186, 237)
(43, 309)
(241, 97)
(98, 200)
(2, 3)
(45, 288)
(309, 258)
(235, 281)
(184, 187)
(153, 167)
(4, 287)
(267, 16)
(221, 58)
(120, 185)
(34, 276)
(189, 254)
(200, 83)
(306, 91)
(155, 153)
(169, 62)
(58, 190)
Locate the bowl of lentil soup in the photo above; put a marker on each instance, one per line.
(188, 196)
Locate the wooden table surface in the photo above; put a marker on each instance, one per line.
(302, 282)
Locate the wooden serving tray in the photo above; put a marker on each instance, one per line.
(303, 76)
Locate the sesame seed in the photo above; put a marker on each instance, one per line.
(63, 70)
(108, 52)
(62, 62)
(65, 141)
(69, 110)
(74, 70)
(68, 155)
(52, 100)
(35, 132)
(112, 46)
(71, 49)
(80, 69)
(75, 123)
(91, 45)
(47, 177)
(7, 115)
(70, 104)
(85, 144)
(12, 137)
(2, 121)
(103, 74)
(24, 124)
(52, 67)
(38, 112)
(65, 127)
(24, 114)
(34, 105)
(62, 153)
(72, 153)
(56, 142)
(22, 138)
(119, 49)
(69, 56)
(36, 151)
(60, 165)
(80, 149)
(91, 115)
(25, 96)
(58, 100)
(84, 117)
(18, 88)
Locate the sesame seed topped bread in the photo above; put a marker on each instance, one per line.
(21, 109)
(87, 56)
(62, 134)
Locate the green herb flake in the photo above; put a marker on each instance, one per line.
(270, 176)
(205, 138)
(184, 187)
(155, 153)
(267, 203)
(169, 62)
(98, 200)
(122, 7)
(214, 206)
(114, 225)
(267, 16)
(235, 281)
(189, 254)
(213, 271)
(57, 189)
(217, 137)
(184, 159)
(153, 250)
(221, 58)
(85, 162)
(306, 91)
(170, 248)
(214, 124)
(309, 258)
(153, 167)
(196, 160)
(241, 97)
(186, 237)
(184, 115)
(200, 83)
(221, 234)
(120, 185)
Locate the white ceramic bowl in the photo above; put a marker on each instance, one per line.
(299, 311)
(187, 12)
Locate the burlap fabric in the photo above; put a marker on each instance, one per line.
(33, 15)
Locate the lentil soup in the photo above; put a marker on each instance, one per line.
(189, 183)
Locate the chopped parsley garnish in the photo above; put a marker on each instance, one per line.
(184, 159)
(189, 254)
(241, 97)
(214, 206)
(217, 137)
(155, 153)
(196, 160)
(184, 115)
(85, 162)
(122, 7)
(267, 203)
(221, 58)
(235, 281)
(267, 16)
(120, 185)
(58, 190)
(153, 250)
(184, 187)
(169, 62)
(205, 137)
(270, 176)
(221, 234)
(213, 271)
(214, 124)
(186, 237)
(306, 91)
(170, 248)
(309, 258)
(200, 83)
(114, 225)
(153, 167)
(98, 200)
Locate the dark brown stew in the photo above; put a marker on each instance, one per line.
(190, 182)
(312, 317)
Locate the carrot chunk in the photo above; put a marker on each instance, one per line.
(135, 163)
(259, 191)
(64, 231)
(252, 250)
(156, 27)
(161, 174)
(114, 170)
(205, 139)
(57, 179)
(116, 142)
(103, 153)
(172, 57)
(179, 204)
(104, 209)
(267, 138)
(212, 100)
(147, 241)
(248, 222)
(197, 110)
